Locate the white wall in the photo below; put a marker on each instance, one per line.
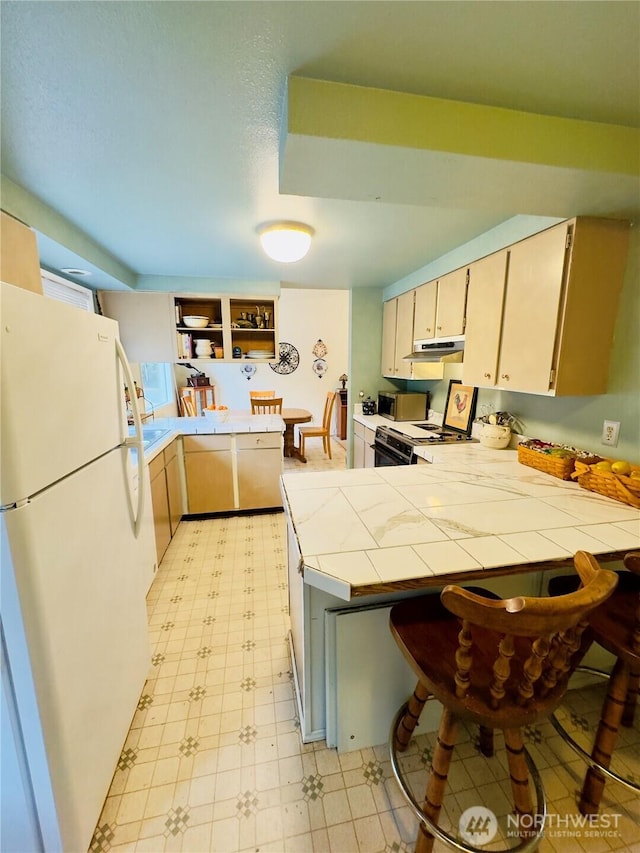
(304, 317)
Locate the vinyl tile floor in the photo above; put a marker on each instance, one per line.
(214, 760)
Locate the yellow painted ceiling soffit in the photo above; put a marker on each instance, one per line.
(319, 108)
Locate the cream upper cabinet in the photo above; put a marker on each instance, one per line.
(440, 306)
(452, 303)
(484, 319)
(424, 325)
(397, 336)
(389, 311)
(152, 326)
(146, 321)
(546, 326)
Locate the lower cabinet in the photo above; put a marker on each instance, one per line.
(259, 459)
(166, 496)
(208, 468)
(363, 453)
(174, 490)
(227, 472)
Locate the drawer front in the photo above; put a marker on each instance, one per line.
(156, 466)
(199, 443)
(358, 429)
(258, 440)
(170, 452)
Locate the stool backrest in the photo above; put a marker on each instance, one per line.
(537, 640)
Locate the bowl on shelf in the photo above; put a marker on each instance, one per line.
(193, 322)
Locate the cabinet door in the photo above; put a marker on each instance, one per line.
(146, 320)
(484, 319)
(174, 493)
(424, 324)
(209, 476)
(358, 452)
(259, 478)
(531, 311)
(452, 303)
(404, 334)
(369, 453)
(389, 311)
(160, 503)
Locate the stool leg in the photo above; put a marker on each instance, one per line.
(437, 778)
(409, 719)
(606, 736)
(486, 740)
(631, 700)
(518, 772)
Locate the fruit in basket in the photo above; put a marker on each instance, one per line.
(217, 408)
(604, 467)
(635, 475)
(621, 466)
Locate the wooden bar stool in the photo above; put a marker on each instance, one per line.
(614, 625)
(500, 664)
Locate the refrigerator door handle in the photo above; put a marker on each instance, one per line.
(136, 441)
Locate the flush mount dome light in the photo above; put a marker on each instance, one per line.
(286, 241)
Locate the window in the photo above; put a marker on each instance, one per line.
(157, 382)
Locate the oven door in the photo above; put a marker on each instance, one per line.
(385, 456)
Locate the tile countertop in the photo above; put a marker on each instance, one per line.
(234, 422)
(375, 530)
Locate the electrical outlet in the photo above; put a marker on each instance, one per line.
(610, 433)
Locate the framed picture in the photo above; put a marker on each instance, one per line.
(460, 407)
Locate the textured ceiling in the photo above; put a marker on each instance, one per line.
(154, 129)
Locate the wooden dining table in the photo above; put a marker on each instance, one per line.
(291, 417)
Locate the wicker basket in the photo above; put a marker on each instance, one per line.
(616, 486)
(557, 466)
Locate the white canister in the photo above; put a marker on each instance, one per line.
(495, 436)
(203, 348)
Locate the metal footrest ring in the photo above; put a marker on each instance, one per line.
(592, 762)
(526, 845)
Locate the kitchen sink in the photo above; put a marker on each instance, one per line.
(150, 434)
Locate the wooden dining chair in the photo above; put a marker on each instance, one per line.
(323, 431)
(501, 665)
(266, 406)
(260, 394)
(186, 408)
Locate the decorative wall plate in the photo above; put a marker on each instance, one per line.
(248, 370)
(320, 349)
(320, 367)
(289, 359)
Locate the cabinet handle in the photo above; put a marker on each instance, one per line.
(505, 376)
(428, 328)
(487, 375)
(439, 328)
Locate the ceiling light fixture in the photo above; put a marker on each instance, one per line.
(286, 241)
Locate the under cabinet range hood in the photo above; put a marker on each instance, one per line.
(435, 349)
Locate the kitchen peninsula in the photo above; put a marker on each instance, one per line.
(361, 539)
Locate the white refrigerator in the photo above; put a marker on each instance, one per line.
(77, 551)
